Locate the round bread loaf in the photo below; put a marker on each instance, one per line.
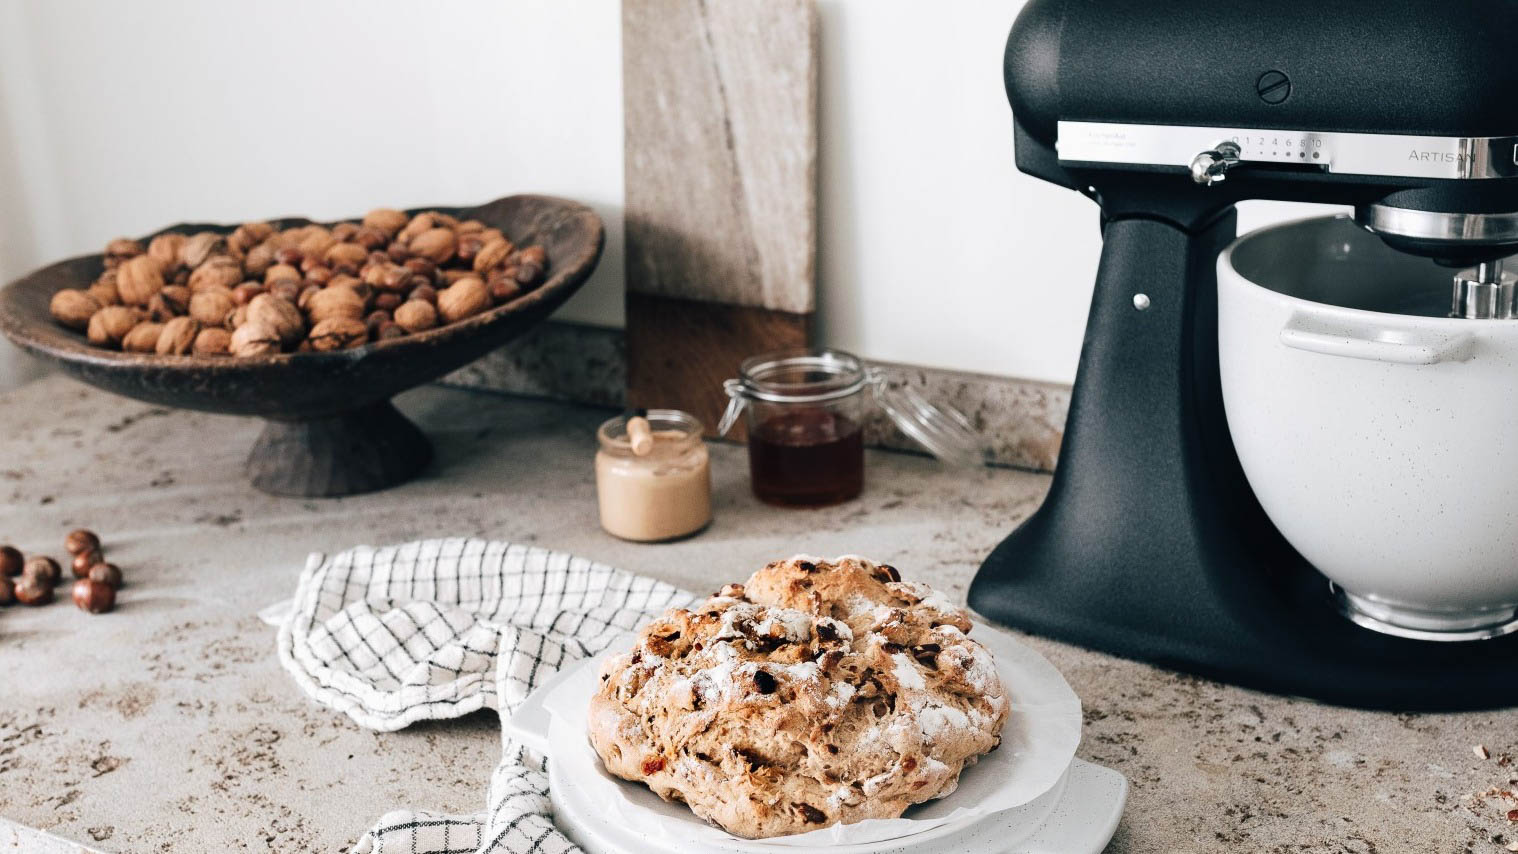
(818, 692)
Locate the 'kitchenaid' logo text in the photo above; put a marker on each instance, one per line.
(1435, 156)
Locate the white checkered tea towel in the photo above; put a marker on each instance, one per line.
(439, 628)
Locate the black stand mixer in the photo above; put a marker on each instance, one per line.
(1151, 543)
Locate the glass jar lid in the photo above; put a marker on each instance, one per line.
(671, 425)
(820, 375)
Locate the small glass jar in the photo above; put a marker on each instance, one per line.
(806, 412)
(662, 495)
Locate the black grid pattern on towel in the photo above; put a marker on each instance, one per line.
(439, 628)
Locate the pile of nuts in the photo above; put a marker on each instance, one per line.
(31, 582)
(259, 291)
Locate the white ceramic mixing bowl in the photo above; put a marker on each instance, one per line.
(1378, 433)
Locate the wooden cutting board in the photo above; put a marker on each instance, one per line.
(720, 104)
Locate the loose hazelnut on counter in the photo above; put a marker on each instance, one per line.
(139, 279)
(165, 249)
(11, 561)
(464, 298)
(281, 315)
(106, 573)
(43, 570)
(436, 245)
(387, 220)
(218, 272)
(111, 324)
(333, 302)
(416, 316)
(199, 248)
(254, 338)
(177, 337)
(338, 333)
(212, 306)
(80, 541)
(94, 596)
(7, 591)
(84, 561)
(214, 341)
(33, 591)
(143, 338)
(73, 308)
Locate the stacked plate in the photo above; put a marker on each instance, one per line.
(1030, 796)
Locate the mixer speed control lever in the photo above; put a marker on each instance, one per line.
(1211, 167)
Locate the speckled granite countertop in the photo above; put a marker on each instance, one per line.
(169, 726)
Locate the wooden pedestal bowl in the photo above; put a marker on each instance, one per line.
(331, 429)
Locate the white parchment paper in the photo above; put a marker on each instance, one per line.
(1042, 732)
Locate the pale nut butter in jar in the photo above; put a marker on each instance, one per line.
(653, 482)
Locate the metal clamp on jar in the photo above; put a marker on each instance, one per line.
(806, 412)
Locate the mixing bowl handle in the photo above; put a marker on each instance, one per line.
(1356, 341)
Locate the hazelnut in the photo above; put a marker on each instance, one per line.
(122, 249)
(43, 570)
(217, 273)
(81, 540)
(104, 289)
(464, 298)
(418, 224)
(106, 573)
(213, 341)
(436, 245)
(387, 276)
(94, 596)
(422, 267)
(33, 591)
(425, 293)
(376, 319)
(10, 561)
(143, 338)
(448, 277)
(83, 561)
(139, 279)
(528, 274)
(537, 256)
(389, 331)
(492, 254)
(282, 271)
(111, 324)
(503, 289)
(200, 248)
(338, 333)
(255, 339)
(249, 235)
(258, 260)
(469, 246)
(177, 297)
(388, 301)
(280, 315)
(335, 301)
(211, 306)
(416, 315)
(7, 592)
(245, 292)
(177, 337)
(372, 238)
(166, 249)
(73, 308)
(387, 220)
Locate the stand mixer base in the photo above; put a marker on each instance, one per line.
(1424, 625)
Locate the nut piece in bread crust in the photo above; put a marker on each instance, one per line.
(816, 693)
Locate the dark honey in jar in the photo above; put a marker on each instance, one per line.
(807, 455)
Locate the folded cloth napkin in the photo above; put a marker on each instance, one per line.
(439, 628)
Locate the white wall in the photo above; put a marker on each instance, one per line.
(124, 117)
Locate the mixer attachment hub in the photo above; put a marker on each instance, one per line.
(1484, 292)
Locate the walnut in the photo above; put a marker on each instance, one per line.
(254, 339)
(346, 253)
(387, 276)
(139, 279)
(104, 290)
(470, 226)
(416, 315)
(121, 250)
(177, 297)
(202, 247)
(436, 245)
(338, 333)
(316, 242)
(335, 301)
(464, 298)
(492, 254)
(177, 337)
(249, 235)
(418, 224)
(213, 341)
(211, 305)
(73, 308)
(142, 338)
(343, 232)
(166, 248)
(258, 260)
(236, 317)
(388, 220)
(111, 324)
(280, 315)
(372, 238)
(159, 309)
(219, 272)
(281, 272)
